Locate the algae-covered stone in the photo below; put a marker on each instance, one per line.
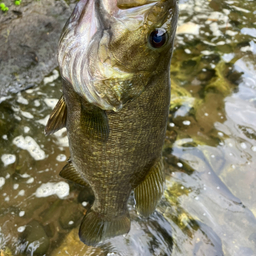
(5, 252)
(35, 238)
(71, 245)
(220, 83)
(71, 215)
(210, 110)
(180, 96)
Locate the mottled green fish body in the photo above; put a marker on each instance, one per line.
(114, 58)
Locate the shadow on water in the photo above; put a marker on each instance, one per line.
(208, 207)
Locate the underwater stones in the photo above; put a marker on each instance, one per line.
(208, 111)
(50, 230)
(216, 5)
(206, 74)
(52, 211)
(35, 238)
(71, 245)
(180, 96)
(71, 215)
(5, 252)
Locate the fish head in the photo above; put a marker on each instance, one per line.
(111, 49)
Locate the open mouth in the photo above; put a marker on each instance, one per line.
(126, 4)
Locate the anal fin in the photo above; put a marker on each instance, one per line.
(150, 190)
(57, 118)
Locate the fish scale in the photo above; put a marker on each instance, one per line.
(115, 105)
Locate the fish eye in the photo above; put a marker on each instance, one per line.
(158, 38)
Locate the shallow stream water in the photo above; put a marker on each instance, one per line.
(209, 205)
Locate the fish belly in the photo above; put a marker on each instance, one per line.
(115, 166)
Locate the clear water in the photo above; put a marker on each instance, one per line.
(209, 205)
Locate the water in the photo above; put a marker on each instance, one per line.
(209, 204)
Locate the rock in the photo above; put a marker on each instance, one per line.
(50, 230)
(35, 238)
(71, 215)
(5, 252)
(29, 36)
(71, 245)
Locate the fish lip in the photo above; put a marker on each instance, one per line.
(134, 4)
(113, 7)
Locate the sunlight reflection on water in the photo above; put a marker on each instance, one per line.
(209, 204)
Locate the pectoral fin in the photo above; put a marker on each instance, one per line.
(95, 122)
(149, 192)
(57, 118)
(69, 172)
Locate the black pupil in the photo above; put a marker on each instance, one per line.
(158, 38)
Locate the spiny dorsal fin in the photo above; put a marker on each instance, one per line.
(57, 118)
(95, 121)
(69, 172)
(150, 190)
(95, 228)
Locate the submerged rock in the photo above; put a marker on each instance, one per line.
(71, 245)
(71, 215)
(5, 252)
(35, 238)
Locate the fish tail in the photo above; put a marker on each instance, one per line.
(95, 228)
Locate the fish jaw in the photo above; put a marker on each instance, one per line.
(77, 34)
(104, 45)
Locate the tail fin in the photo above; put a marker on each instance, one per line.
(95, 229)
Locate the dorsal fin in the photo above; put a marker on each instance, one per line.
(69, 172)
(57, 118)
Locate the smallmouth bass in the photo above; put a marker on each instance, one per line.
(114, 58)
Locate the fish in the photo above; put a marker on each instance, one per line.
(114, 59)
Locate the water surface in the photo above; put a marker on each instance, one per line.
(209, 205)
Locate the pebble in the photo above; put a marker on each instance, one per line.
(36, 238)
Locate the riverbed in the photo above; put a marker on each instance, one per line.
(209, 204)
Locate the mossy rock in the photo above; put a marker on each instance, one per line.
(36, 239)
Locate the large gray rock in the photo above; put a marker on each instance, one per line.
(28, 42)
